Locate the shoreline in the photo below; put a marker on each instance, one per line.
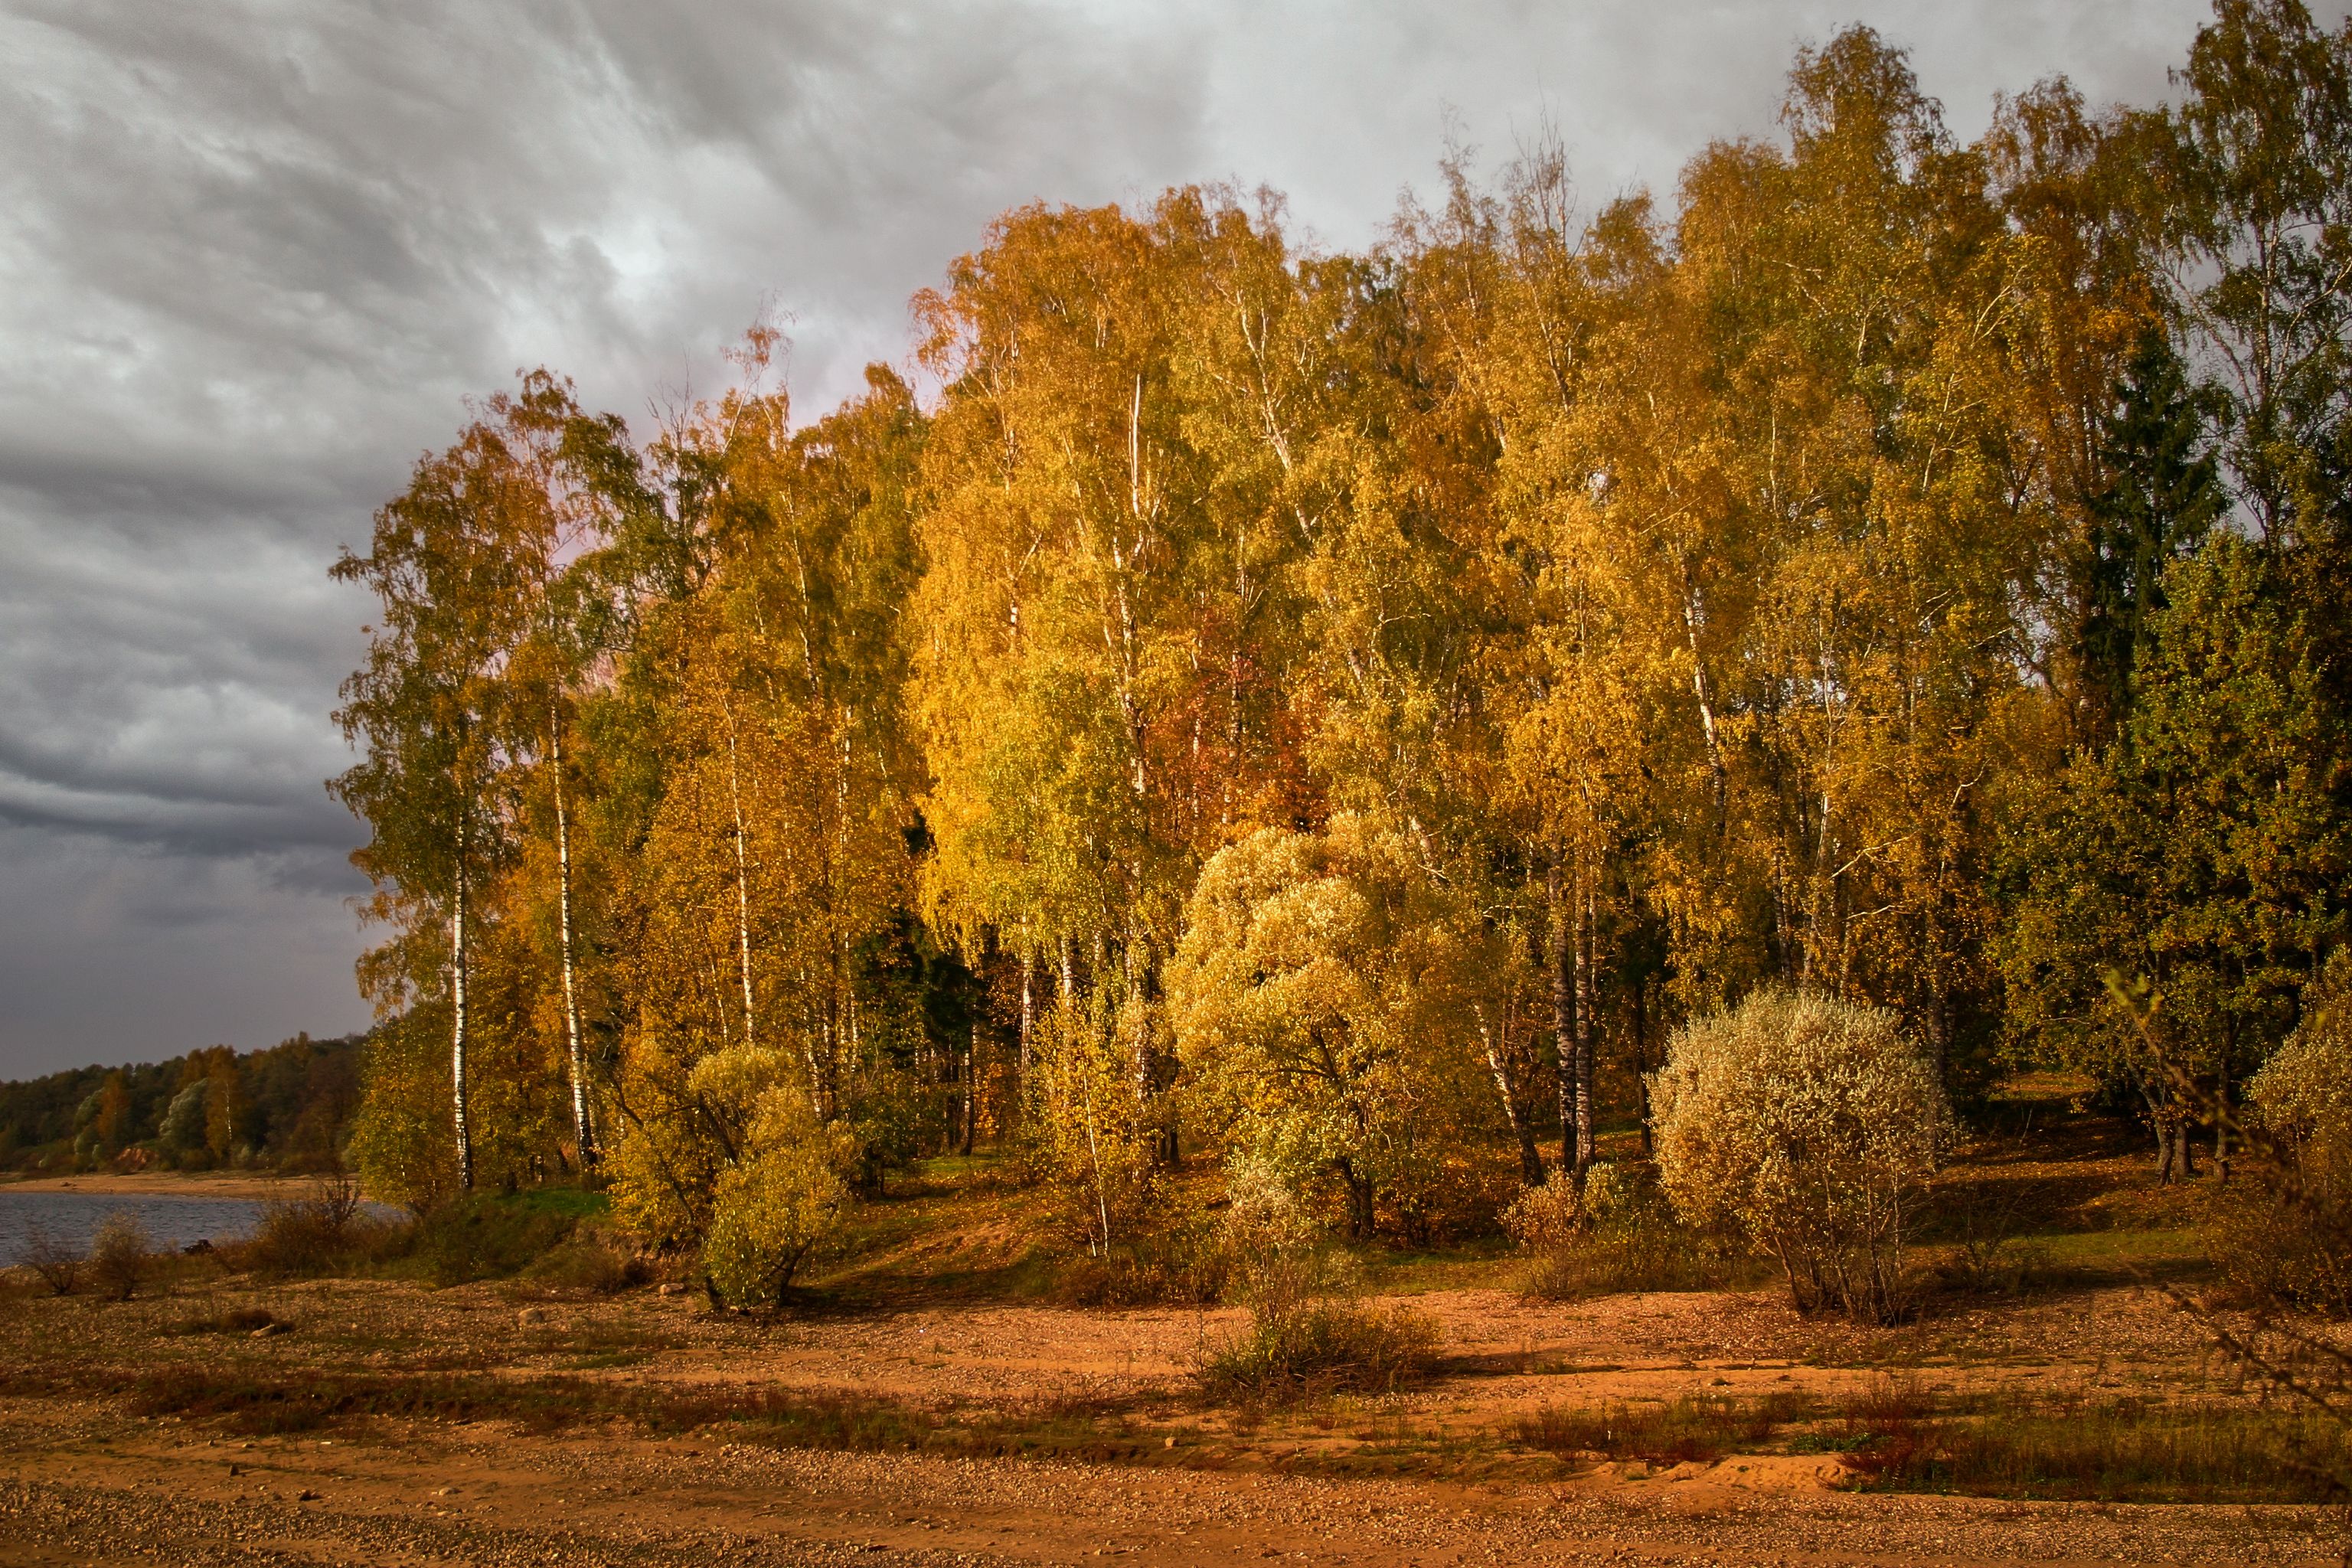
(165, 1184)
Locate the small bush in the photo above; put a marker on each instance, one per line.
(771, 1208)
(121, 1255)
(326, 1231)
(59, 1266)
(1188, 1262)
(1309, 1335)
(2302, 1095)
(1550, 1216)
(1992, 1257)
(2125, 1450)
(1326, 1345)
(1618, 1234)
(1810, 1126)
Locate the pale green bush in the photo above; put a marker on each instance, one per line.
(1322, 999)
(1310, 1330)
(1811, 1127)
(774, 1204)
(1267, 1208)
(2282, 1233)
(2302, 1095)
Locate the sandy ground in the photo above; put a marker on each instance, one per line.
(167, 1184)
(76, 1493)
(83, 1479)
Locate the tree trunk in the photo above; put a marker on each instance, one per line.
(1094, 1152)
(1563, 1015)
(971, 1087)
(742, 881)
(1939, 1018)
(584, 1135)
(2155, 1120)
(1028, 1010)
(1523, 1131)
(1361, 1215)
(457, 1017)
(2222, 1115)
(2176, 1155)
(1702, 690)
(1583, 954)
(1642, 1058)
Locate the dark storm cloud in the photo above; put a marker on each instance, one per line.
(253, 257)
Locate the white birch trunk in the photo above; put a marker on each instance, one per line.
(457, 1018)
(584, 1135)
(1563, 1013)
(1584, 999)
(742, 882)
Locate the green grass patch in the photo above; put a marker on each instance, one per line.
(495, 1236)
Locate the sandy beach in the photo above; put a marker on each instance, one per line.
(167, 1184)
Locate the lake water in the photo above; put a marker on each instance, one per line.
(72, 1218)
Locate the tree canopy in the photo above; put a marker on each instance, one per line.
(1343, 710)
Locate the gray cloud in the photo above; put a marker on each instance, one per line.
(254, 256)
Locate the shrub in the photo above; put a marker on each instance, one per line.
(1810, 1126)
(1323, 997)
(320, 1233)
(1327, 1344)
(2302, 1095)
(1693, 1428)
(1308, 1333)
(1549, 1216)
(121, 1255)
(2284, 1232)
(1187, 1260)
(1991, 1255)
(47, 1255)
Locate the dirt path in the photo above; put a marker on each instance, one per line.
(81, 1488)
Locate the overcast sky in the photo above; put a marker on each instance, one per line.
(253, 256)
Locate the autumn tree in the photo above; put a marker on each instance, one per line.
(458, 564)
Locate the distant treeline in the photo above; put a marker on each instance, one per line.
(286, 1107)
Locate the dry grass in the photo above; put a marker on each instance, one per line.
(1898, 1438)
(1317, 1347)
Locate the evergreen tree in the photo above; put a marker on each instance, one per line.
(2163, 493)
